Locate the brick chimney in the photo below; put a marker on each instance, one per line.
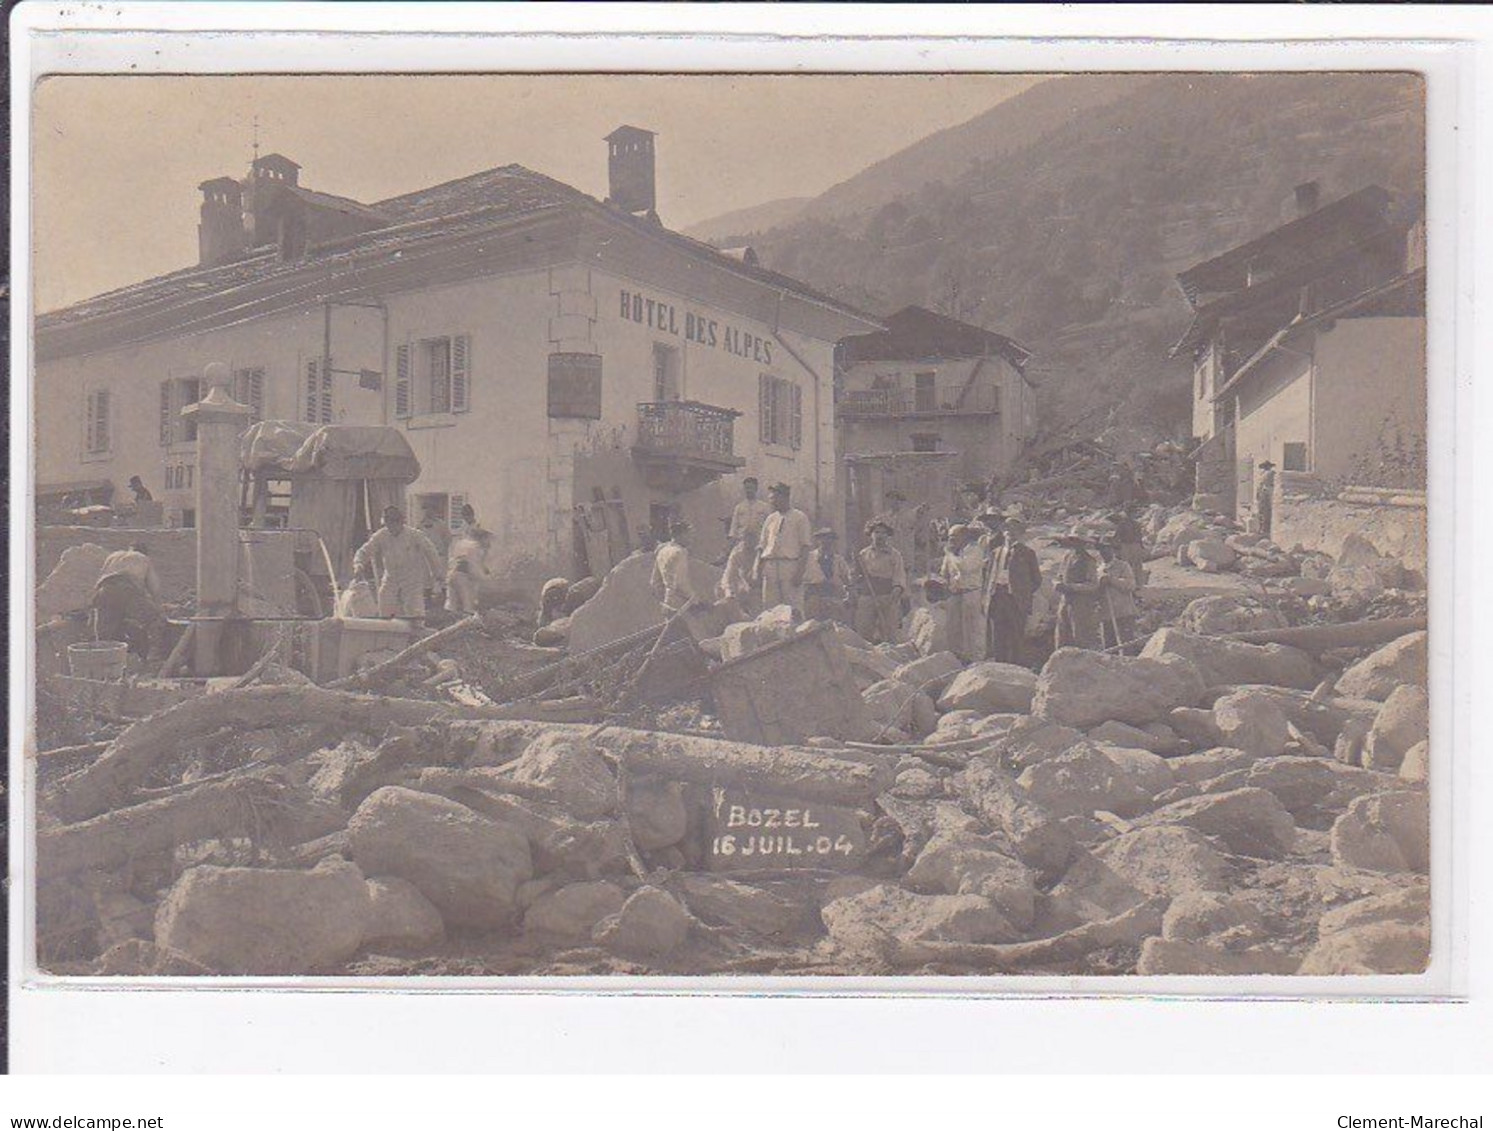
(220, 233)
(630, 183)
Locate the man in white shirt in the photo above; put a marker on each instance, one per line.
(783, 558)
(749, 514)
(127, 601)
(405, 563)
(671, 580)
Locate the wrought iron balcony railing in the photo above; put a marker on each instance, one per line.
(686, 428)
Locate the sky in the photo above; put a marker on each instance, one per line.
(117, 159)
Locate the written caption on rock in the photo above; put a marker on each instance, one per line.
(749, 832)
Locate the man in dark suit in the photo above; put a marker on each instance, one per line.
(1011, 582)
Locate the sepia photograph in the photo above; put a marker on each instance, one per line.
(698, 525)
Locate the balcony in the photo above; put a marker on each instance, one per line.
(683, 445)
(942, 400)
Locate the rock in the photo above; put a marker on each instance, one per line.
(745, 637)
(1221, 661)
(1209, 764)
(1182, 528)
(625, 604)
(570, 774)
(1206, 552)
(1166, 860)
(849, 637)
(1223, 613)
(1033, 832)
(1411, 906)
(1122, 734)
(930, 673)
(1348, 747)
(1315, 791)
(966, 863)
(872, 922)
(1321, 719)
(868, 667)
(1203, 915)
(927, 628)
(1250, 822)
(399, 917)
(1385, 832)
(656, 813)
(1171, 956)
(69, 587)
(1031, 740)
(466, 864)
(1377, 675)
(649, 925)
(1403, 721)
(740, 906)
(573, 912)
(265, 920)
(1417, 764)
(1080, 688)
(998, 725)
(990, 688)
(137, 958)
(1305, 587)
(1250, 722)
(896, 706)
(1089, 891)
(1151, 773)
(1086, 779)
(1375, 948)
(917, 781)
(1195, 725)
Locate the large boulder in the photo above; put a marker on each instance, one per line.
(1182, 528)
(656, 812)
(1223, 613)
(649, 925)
(573, 911)
(927, 628)
(1157, 738)
(466, 864)
(930, 673)
(771, 626)
(1089, 779)
(1375, 948)
(568, 773)
(742, 907)
(1166, 860)
(990, 688)
(399, 917)
(69, 587)
(1030, 740)
(1410, 905)
(1249, 822)
(1080, 688)
(1223, 661)
(1200, 916)
(1251, 722)
(1194, 769)
(1194, 725)
(1403, 721)
(1385, 832)
(1417, 764)
(625, 604)
(967, 863)
(1178, 956)
(1036, 834)
(1315, 791)
(1088, 892)
(265, 920)
(873, 922)
(896, 706)
(1377, 675)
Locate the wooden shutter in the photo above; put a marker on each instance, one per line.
(764, 408)
(326, 394)
(796, 415)
(313, 390)
(453, 512)
(461, 351)
(167, 424)
(402, 383)
(101, 428)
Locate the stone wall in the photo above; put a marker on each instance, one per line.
(1313, 519)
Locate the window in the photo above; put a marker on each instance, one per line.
(780, 411)
(317, 401)
(433, 376)
(665, 372)
(925, 441)
(96, 434)
(1293, 457)
(925, 392)
(178, 477)
(248, 389)
(176, 394)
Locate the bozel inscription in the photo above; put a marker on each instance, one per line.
(756, 833)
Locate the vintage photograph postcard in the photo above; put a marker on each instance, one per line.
(679, 525)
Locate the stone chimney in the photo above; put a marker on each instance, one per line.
(269, 177)
(630, 183)
(220, 233)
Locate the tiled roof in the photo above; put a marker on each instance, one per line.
(915, 332)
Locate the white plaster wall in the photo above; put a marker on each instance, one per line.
(1371, 380)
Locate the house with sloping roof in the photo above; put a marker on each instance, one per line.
(1308, 347)
(570, 368)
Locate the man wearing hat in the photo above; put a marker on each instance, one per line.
(1265, 498)
(405, 563)
(783, 557)
(671, 581)
(882, 580)
(827, 582)
(1078, 591)
(748, 515)
(1011, 582)
(963, 573)
(1130, 542)
(904, 521)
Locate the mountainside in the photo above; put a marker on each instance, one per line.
(725, 229)
(1069, 240)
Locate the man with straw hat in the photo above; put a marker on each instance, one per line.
(827, 581)
(1117, 621)
(963, 574)
(1078, 591)
(881, 576)
(1011, 581)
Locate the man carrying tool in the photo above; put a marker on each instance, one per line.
(671, 581)
(783, 558)
(1078, 591)
(1012, 580)
(127, 600)
(405, 563)
(1130, 542)
(882, 576)
(1116, 597)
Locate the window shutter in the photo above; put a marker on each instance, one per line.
(764, 409)
(166, 423)
(313, 390)
(461, 348)
(90, 421)
(256, 394)
(453, 514)
(326, 393)
(101, 427)
(402, 383)
(796, 421)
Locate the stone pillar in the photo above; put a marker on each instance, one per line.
(219, 420)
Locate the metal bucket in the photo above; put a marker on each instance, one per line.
(98, 659)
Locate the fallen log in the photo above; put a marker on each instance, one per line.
(233, 806)
(370, 676)
(1319, 638)
(798, 772)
